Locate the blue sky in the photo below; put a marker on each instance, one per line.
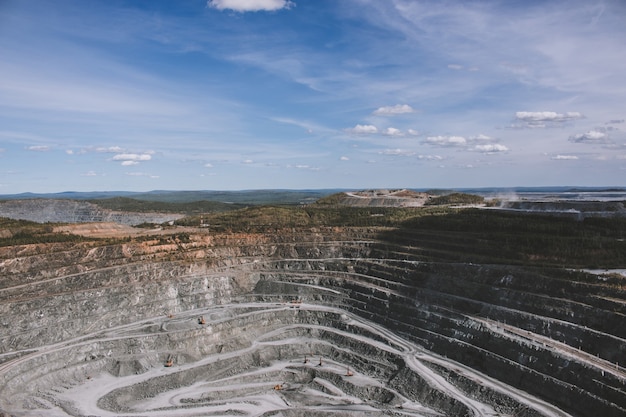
(253, 94)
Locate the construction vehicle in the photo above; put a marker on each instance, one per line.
(170, 361)
(201, 320)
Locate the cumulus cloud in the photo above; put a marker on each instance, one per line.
(564, 157)
(344, 158)
(39, 148)
(546, 116)
(413, 132)
(392, 131)
(592, 136)
(363, 129)
(485, 144)
(393, 110)
(130, 159)
(446, 141)
(491, 148)
(481, 138)
(479, 143)
(250, 5)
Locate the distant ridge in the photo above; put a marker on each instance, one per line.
(251, 197)
(287, 196)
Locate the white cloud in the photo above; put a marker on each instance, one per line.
(208, 165)
(304, 166)
(69, 152)
(491, 148)
(481, 138)
(250, 5)
(393, 110)
(592, 136)
(455, 67)
(142, 174)
(90, 174)
(132, 157)
(110, 149)
(446, 140)
(247, 161)
(413, 132)
(564, 157)
(39, 148)
(392, 131)
(431, 157)
(129, 163)
(344, 158)
(397, 152)
(545, 118)
(363, 129)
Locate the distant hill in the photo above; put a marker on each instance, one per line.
(376, 198)
(245, 197)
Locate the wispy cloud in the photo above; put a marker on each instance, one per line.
(397, 152)
(39, 148)
(564, 157)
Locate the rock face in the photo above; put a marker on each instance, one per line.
(71, 211)
(318, 322)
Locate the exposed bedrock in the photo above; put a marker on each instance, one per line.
(317, 322)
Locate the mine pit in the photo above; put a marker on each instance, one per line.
(338, 322)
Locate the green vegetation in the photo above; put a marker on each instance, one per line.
(452, 235)
(331, 200)
(436, 232)
(23, 232)
(455, 199)
(144, 206)
(490, 236)
(265, 218)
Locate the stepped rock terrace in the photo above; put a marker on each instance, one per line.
(436, 316)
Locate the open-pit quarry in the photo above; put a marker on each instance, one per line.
(315, 321)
